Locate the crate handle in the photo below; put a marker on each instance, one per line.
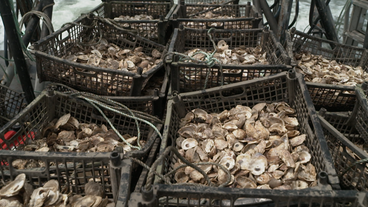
(233, 75)
(208, 26)
(231, 93)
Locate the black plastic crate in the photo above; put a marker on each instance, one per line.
(187, 39)
(158, 29)
(70, 170)
(344, 147)
(164, 195)
(52, 104)
(360, 112)
(243, 16)
(11, 103)
(288, 87)
(153, 102)
(331, 97)
(103, 81)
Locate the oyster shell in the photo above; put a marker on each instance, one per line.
(94, 189)
(13, 188)
(298, 140)
(189, 143)
(248, 142)
(245, 182)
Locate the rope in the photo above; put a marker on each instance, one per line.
(148, 168)
(17, 27)
(40, 15)
(152, 171)
(94, 103)
(210, 61)
(119, 112)
(47, 6)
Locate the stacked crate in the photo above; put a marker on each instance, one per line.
(200, 79)
(344, 122)
(157, 29)
(330, 96)
(140, 96)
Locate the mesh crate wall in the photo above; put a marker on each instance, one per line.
(345, 152)
(11, 103)
(188, 39)
(243, 16)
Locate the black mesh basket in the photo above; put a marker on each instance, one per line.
(158, 29)
(152, 102)
(52, 104)
(102, 81)
(72, 171)
(288, 87)
(11, 103)
(186, 77)
(331, 97)
(242, 16)
(165, 195)
(346, 148)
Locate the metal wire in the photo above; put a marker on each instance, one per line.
(115, 130)
(72, 91)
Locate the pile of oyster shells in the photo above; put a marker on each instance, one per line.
(320, 70)
(19, 193)
(66, 134)
(208, 15)
(144, 29)
(211, 15)
(109, 55)
(260, 146)
(135, 17)
(241, 55)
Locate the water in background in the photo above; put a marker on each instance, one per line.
(69, 10)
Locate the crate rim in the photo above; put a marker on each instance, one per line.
(179, 5)
(295, 31)
(233, 194)
(362, 97)
(331, 86)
